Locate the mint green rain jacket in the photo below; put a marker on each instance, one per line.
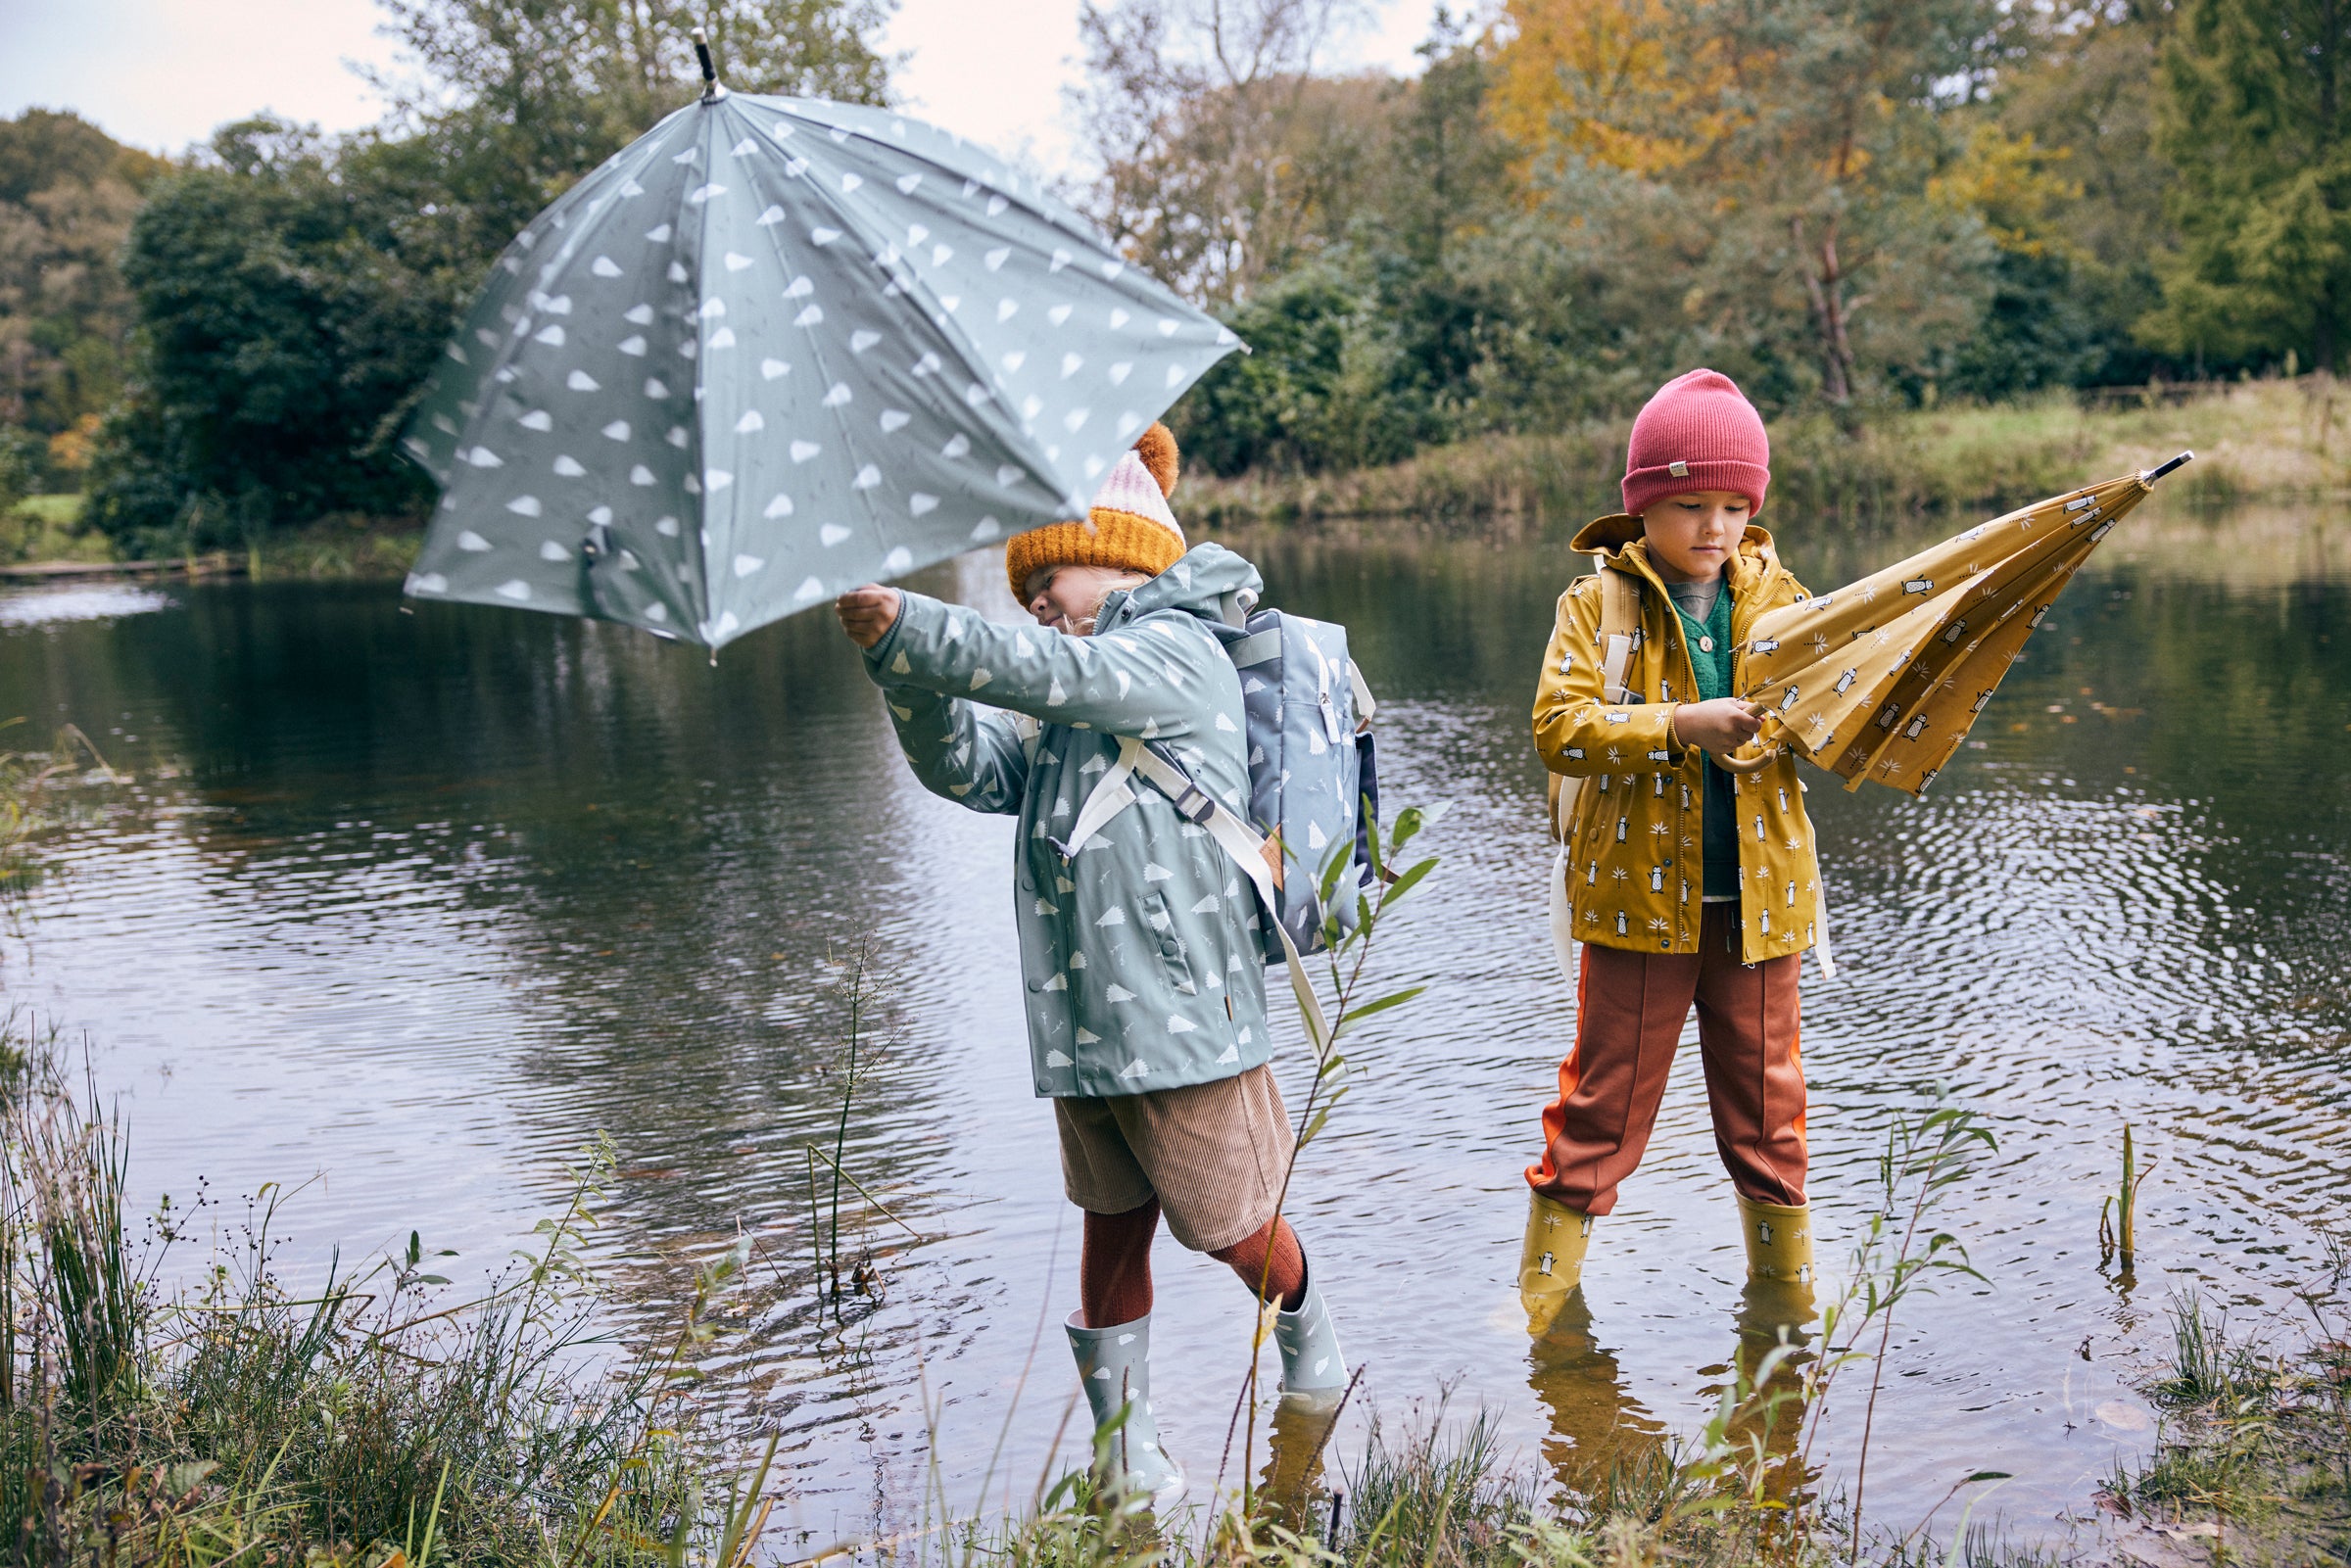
(1140, 950)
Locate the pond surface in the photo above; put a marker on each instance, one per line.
(406, 907)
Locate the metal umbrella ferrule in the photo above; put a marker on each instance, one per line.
(712, 92)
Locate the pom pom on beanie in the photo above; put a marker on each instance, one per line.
(1698, 433)
(1128, 526)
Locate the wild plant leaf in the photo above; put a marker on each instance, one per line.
(1407, 880)
(1395, 999)
(1334, 867)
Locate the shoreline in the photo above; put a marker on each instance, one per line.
(2267, 440)
(2267, 443)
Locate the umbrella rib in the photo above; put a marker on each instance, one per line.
(942, 320)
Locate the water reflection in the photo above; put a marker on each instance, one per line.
(416, 902)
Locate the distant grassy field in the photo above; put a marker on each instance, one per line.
(48, 527)
(2266, 440)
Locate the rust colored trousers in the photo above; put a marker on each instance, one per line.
(1629, 1012)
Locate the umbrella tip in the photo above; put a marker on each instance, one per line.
(2153, 474)
(711, 90)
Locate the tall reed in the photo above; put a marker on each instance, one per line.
(365, 1417)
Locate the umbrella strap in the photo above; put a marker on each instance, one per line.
(1820, 915)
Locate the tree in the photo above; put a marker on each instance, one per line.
(2253, 123)
(282, 333)
(519, 98)
(68, 192)
(1199, 112)
(1765, 172)
(1629, 85)
(2075, 271)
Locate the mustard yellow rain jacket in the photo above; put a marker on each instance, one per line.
(1635, 852)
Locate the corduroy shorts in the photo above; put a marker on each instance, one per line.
(1212, 1154)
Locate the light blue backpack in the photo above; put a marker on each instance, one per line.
(1307, 714)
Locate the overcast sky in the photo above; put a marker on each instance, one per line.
(162, 73)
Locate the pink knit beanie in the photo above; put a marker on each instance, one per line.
(1698, 433)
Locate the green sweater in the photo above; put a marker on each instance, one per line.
(1709, 645)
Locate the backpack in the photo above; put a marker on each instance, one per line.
(1312, 783)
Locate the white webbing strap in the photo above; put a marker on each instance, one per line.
(1242, 843)
(1104, 802)
(1247, 848)
(1611, 669)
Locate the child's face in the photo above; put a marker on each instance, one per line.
(1068, 598)
(1690, 536)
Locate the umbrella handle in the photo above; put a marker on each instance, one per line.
(1733, 762)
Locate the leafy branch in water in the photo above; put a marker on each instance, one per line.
(1348, 946)
(1898, 1253)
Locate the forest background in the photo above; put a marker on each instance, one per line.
(1859, 208)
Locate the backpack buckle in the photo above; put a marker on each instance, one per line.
(1194, 805)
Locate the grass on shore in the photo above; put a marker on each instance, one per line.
(364, 1424)
(2273, 440)
(2255, 1454)
(342, 545)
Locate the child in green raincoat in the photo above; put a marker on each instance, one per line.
(1139, 947)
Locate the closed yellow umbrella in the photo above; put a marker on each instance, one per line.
(1879, 681)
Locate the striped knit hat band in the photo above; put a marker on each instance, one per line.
(1128, 526)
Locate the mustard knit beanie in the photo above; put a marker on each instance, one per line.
(1128, 526)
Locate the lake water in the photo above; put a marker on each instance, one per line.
(405, 907)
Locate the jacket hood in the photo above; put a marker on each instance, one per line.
(1197, 584)
(1617, 537)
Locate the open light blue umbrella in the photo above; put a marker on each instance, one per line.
(774, 349)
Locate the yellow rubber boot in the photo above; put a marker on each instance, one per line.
(1779, 1241)
(1551, 1261)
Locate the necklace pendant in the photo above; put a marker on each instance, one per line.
(1705, 644)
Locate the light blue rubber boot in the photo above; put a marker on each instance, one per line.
(1114, 1365)
(1312, 1367)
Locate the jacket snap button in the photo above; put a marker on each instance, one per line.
(1036, 985)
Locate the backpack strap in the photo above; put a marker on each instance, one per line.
(1250, 850)
(1258, 859)
(1620, 633)
(1027, 728)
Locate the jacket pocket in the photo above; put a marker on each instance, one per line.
(1174, 952)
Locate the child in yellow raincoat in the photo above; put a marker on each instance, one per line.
(1687, 883)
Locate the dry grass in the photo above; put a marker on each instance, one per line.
(2262, 440)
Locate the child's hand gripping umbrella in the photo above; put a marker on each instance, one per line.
(774, 349)
(1879, 681)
